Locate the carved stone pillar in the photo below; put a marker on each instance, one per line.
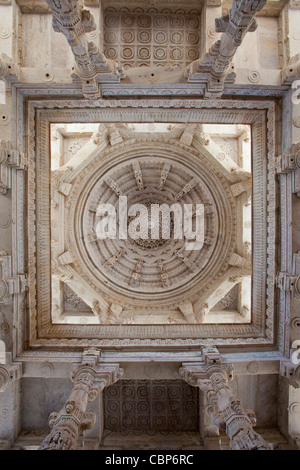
(214, 68)
(74, 22)
(226, 411)
(90, 378)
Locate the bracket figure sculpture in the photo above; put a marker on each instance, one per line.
(212, 377)
(93, 68)
(214, 70)
(89, 379)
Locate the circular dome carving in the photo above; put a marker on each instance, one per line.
(133, 271)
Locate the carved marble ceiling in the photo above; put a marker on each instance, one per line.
(146, 281)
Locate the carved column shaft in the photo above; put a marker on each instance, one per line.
(235, 26)
(74, 22)
(67, 425)
(225, 409)
(214, 67)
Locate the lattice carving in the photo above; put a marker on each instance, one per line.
(151, 39)
(151, 405)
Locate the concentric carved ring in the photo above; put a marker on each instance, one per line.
(133, 271)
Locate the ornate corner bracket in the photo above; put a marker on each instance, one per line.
(213, 377)
(92, 67)
(9, 284)
(9, 159)
(89, 378)
(215, 69)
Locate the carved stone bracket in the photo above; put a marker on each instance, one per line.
(89, 378)
(291, 282)
(212, 377)
(92, 66)
(292, 71)
(9, 72)
(290, 163)
(9, 374)
(291, 372)
(9, 284)
(9, 159)
(214, 69)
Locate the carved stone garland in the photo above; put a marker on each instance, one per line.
(226, 411)
(89, 379)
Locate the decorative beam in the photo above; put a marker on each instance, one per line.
(93, 68)
(90, 378)
(214, 68)
(212, 377)
(187, 311)
(60, 185)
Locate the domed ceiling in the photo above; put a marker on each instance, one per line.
(149, 275)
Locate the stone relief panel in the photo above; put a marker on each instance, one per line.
(151, 406)
(149, 38)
